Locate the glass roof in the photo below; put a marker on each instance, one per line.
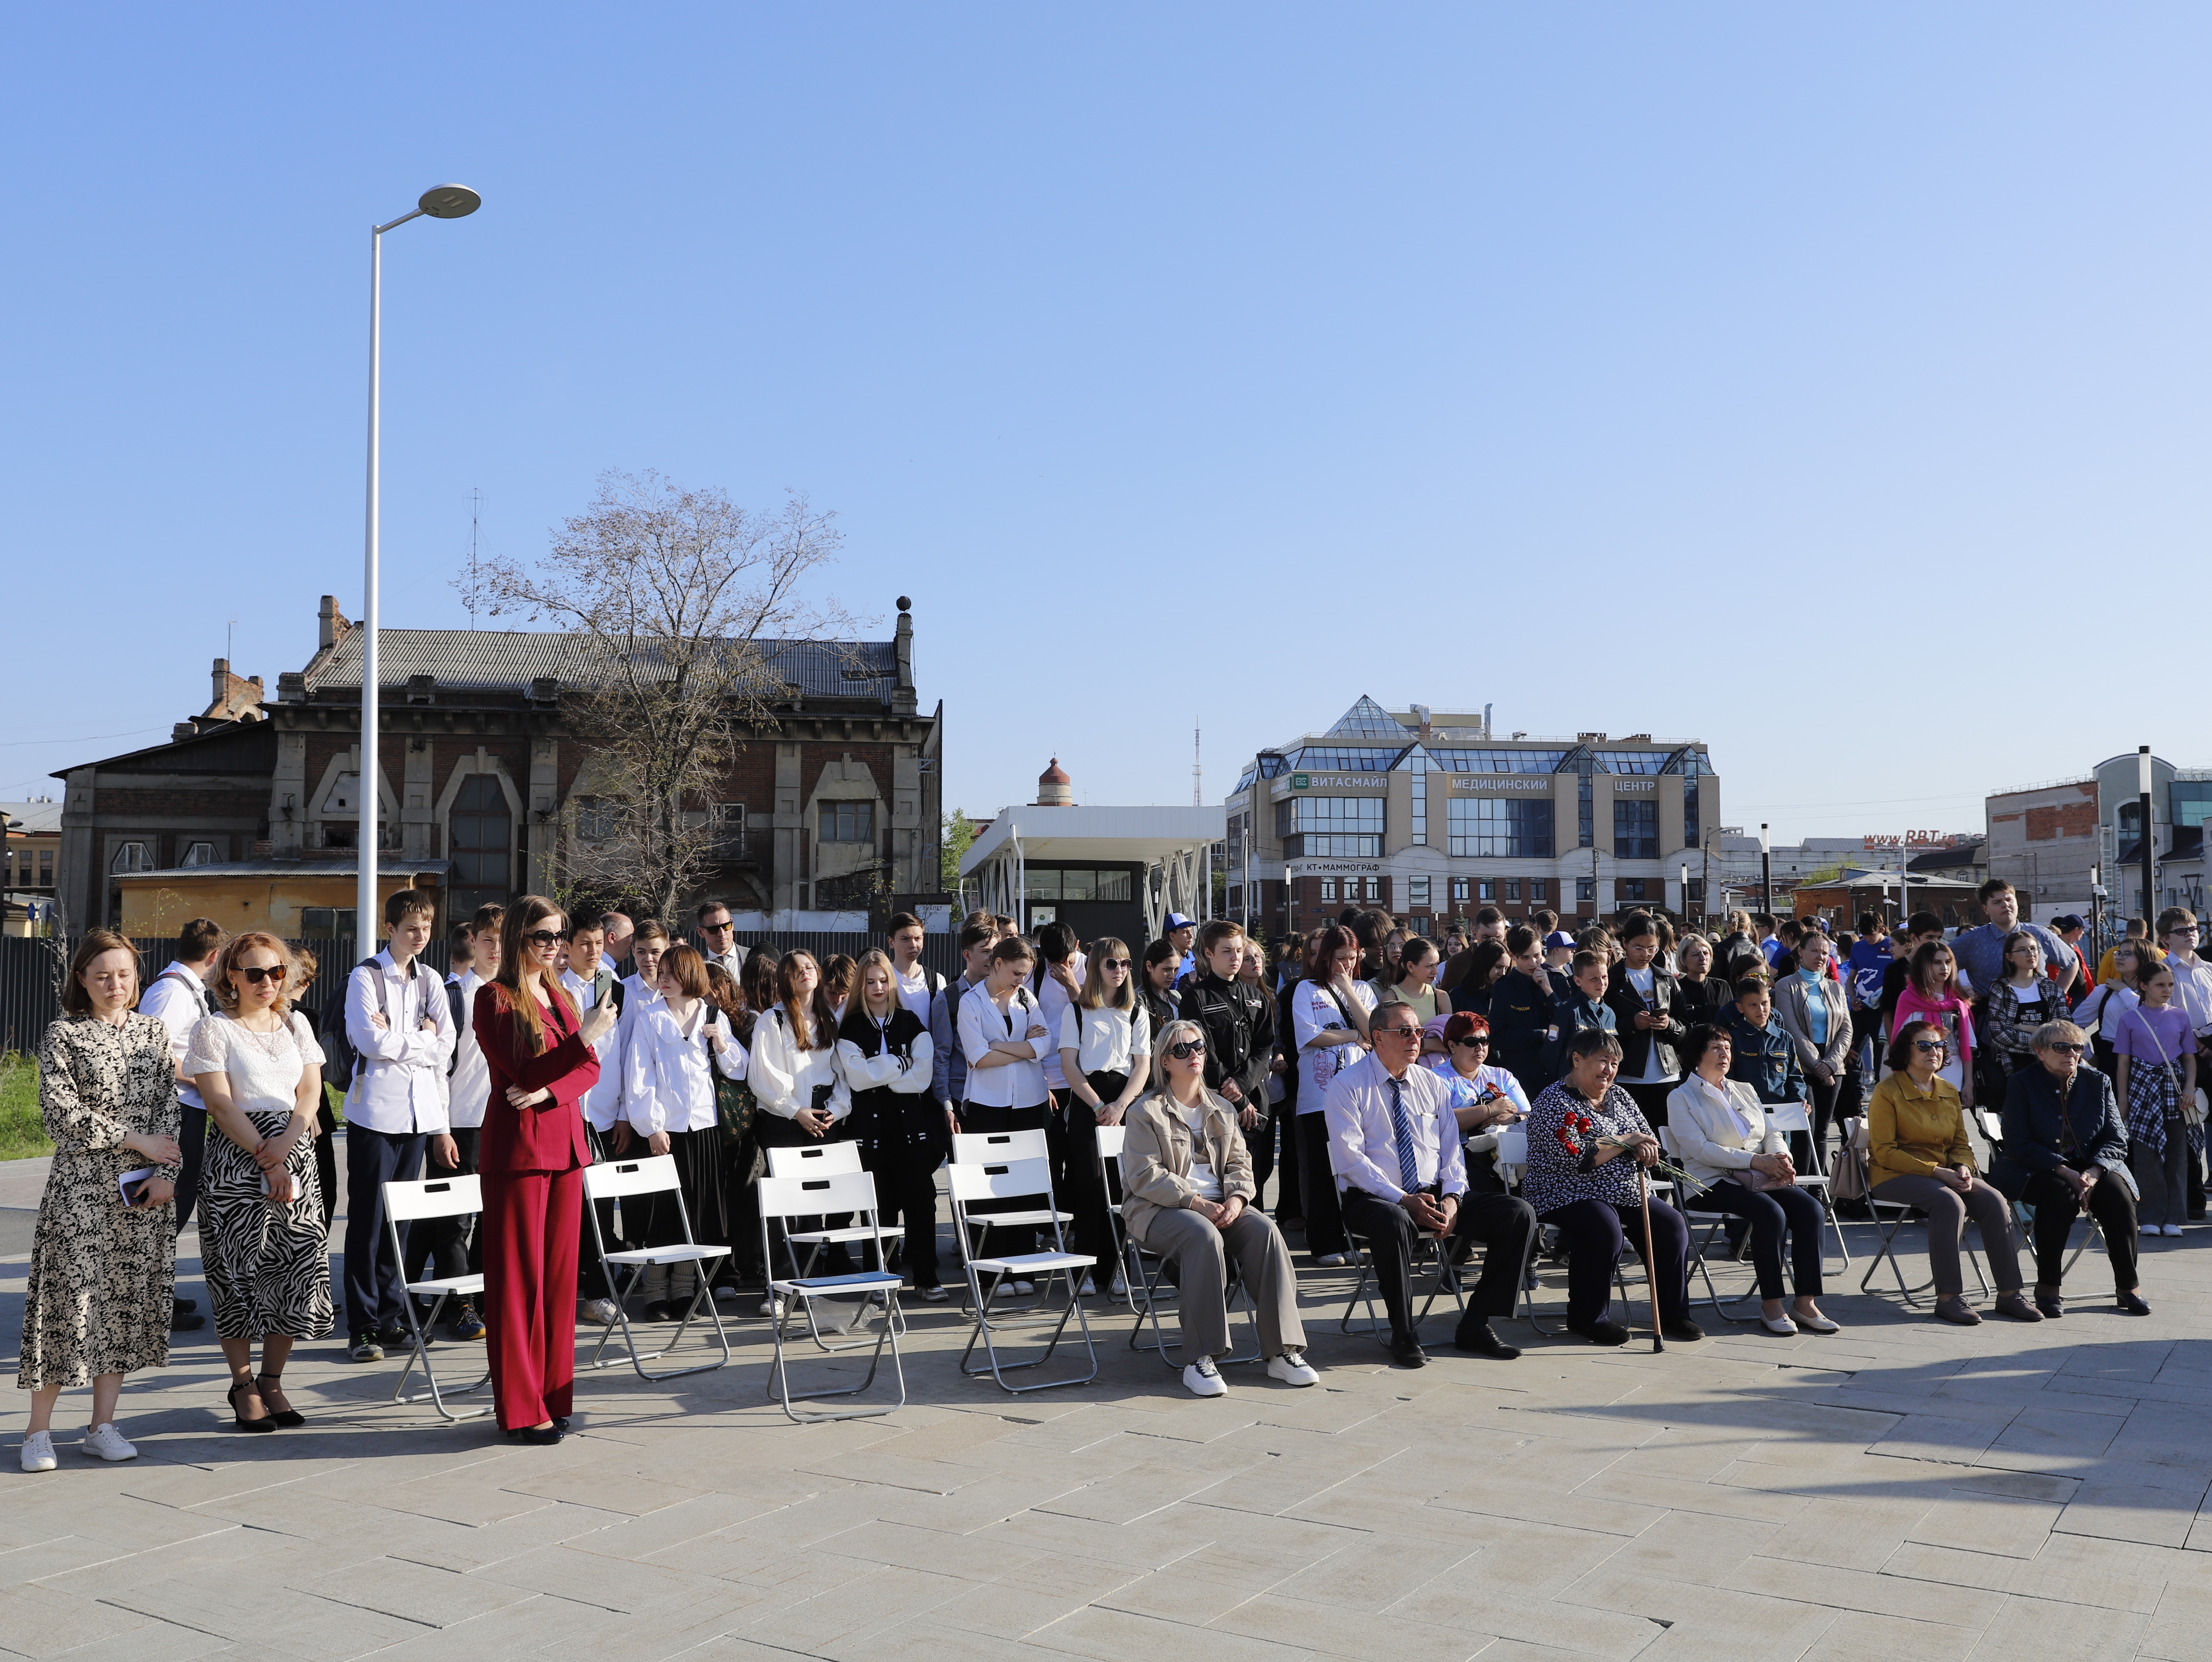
(1499, 760)
(1367, 719)
(1631, 761)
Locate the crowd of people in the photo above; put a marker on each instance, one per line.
(1375, 1076)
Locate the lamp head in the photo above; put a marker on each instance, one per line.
(449, 201)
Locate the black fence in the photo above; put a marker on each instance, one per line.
(30, 999)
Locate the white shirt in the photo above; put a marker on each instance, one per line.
(1314, 1012)
(915, 993)
(1053, 1000)
(468, 1092)
(784, 1077)
(401, 1087)
(1363, 1144)
(1017, 1084)
(1106, 1040)
(1202, 1178)
(602, 1103)
(179, 997)
(666, 1086)
(2192, 989)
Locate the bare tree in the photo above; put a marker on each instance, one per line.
(673, 599)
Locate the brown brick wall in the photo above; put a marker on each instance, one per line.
(2075, 819)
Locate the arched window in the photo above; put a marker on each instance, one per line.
(480, 841)
(130, 856)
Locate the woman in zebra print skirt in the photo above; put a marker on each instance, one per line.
(260, 1071)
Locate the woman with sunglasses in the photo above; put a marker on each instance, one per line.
(2065, 1148)
(1483, 1098)
(1106, 1054)
(1191, 1200)
(1917, 1155)
(259, 1071)
(531, 1157)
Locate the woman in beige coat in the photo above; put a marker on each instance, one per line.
(1188, 1195)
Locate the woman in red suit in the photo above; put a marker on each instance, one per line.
(530, 1155)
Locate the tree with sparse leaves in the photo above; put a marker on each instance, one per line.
(672, 599)
(958, 832)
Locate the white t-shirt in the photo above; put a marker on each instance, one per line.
(1203, 1177)
(1052, 1000)
(263, 1068)
(1314, 1012)
(915, 993)
(1106, 1040)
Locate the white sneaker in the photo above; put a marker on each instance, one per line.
(2174, 1230)
(772, 1307)
(599, 1310)
(1089, 1288)
(2149, 1229)
(1203, 1379)
(1120, 1287)
(1293, 1368)
(104, 1443)
(38, 1451)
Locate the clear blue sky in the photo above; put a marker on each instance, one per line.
(1227, 359)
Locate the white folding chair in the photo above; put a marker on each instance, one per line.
(826, 1160)
(1009, 1180)
(654, 1175)
(1899, 1211)
(1715, 1221)
(408, 1203)
(1110, 1140)
(1792, 1117)
(1429, 1253)
(997, 1148)
(803, 1196)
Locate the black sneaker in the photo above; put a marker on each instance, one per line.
(465, 1326)
(366, 1348)
(182, 1318)
(396, 1337)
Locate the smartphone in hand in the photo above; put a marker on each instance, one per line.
(132, 1184)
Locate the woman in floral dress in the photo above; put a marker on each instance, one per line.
(103, 1266)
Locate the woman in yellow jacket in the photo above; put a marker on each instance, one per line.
(1917, 1155)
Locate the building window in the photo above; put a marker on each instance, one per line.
(1236, 897)
(1632, 888)
(848, 822)
(480, 842)
(1052, 882)
(200, 853)
(130, 856)
(1486, 888)
(1330, 827)
(324, 922)
(1586, 888)
(1328, 889)
(1417, 894)
(598, 820)
(1694, 892)
(1513, 888)
(1585, 813)
(729, 822)
(1636, 830)
(1420, 766)
(1373, 887)
(1539, 889)
(1459, 891)
(1502, 826)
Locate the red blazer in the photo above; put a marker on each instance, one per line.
(549, 1137)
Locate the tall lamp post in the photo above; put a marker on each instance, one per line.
(1766, 873)
(440, 201)
(2142, 814)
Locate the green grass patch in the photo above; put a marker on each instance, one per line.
(22, 1133)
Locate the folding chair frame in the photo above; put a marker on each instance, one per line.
(854, 1191)
(1365, 1290)
(999, 1148)
(1817, 1182)
(463, 1188)
(619, 1186)
(1134, 1253)
(835, 1166)
(1031, 1176)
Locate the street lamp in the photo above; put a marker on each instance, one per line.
(440, 202)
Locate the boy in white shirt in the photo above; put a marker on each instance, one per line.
(915, 987)
(442, 1246)
(591, 982)
(402, 1031)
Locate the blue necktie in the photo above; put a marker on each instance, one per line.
(1409, 1169)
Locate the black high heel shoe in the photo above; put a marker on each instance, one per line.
(266, 1422)
(289, 1418)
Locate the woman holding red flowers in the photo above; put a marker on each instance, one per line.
(1586, 1140)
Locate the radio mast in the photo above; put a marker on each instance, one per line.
(1197, 771)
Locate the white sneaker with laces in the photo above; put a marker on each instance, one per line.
(38, 1451)
(104, 1443)
(1089, 1288)
(771, 1307)
(1293, 1368)
(1203, 1379)
(1120, 1288)
(599, 1310)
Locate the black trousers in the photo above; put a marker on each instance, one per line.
(1595, 1233)
(977, 1117)
(192, 1142)
(372, 1291)
(2056, 1209)
(1317, 1187)
(1852, 1089)
(1772, 1213)
(1086, 1196)
(1504, 1224)
(326, 1163)
(775, 1130)
(592, 1281)
(1259, 1143)
(447, 1246)
(906, 1197)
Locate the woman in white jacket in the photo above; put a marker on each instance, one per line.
(885, 1054)
(802, 1093)
(669, 1059)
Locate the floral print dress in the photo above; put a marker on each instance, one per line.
(102, 1275)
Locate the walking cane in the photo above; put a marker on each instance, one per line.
(1651, 1269)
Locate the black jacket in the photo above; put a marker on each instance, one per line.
(1703, 1001)
(1737, 956)
(2035, 1134)
(1636, 1042)
(1522, 1012)
(1240, 1032)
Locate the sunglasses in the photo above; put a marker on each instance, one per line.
(258, 973)
(1929, 1044)
(544, 938)
(2066, 1050)
(1183, 1050)
(1113, 963)
(716, 929)
(1398, 1030)
(1474, 1041)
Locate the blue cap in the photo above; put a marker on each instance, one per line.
(1176, 920)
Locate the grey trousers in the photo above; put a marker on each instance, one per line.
(1947, 1210)
(1202, 1254)
(2163, 1177)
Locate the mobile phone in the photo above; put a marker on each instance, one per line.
(132, 1186)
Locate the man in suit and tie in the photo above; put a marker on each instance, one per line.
(718, 937)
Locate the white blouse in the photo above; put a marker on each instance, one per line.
(1106, 1040)
(906, 1076)
(263, 1068)
(666, 1086)
(1314, 1012)
(784, 1077)
(1017, 1084)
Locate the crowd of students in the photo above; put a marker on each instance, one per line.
(1369, 1071)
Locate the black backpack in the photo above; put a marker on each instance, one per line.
(340, 1059)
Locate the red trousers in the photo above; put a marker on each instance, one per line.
(529, 1223)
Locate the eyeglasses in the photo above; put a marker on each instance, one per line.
(1398, 1030)
(258, 973)
(1929, 1044)
(541, 937)
(1185, 1049)
(2065, 1049)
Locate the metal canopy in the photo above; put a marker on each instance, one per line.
(1172, 845)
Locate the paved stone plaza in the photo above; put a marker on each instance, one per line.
(1902, 1489)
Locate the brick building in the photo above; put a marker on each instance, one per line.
(479, 777)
